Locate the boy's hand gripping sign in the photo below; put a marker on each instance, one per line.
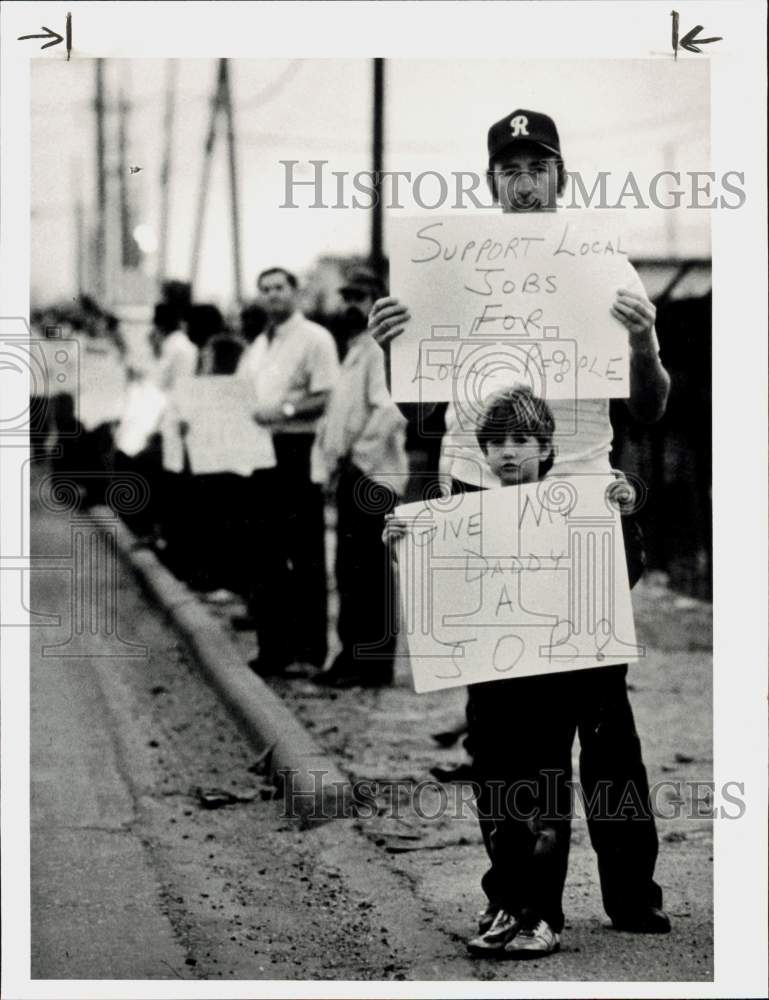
(524, 295)
(515, 581)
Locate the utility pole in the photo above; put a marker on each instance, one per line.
(226, 95)
(79, 247)
(100, 249)
(165, 170)
(78, 225)
(377, 254)
(220, 102)
(205, 179)
(122, 180)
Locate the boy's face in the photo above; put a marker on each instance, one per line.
(526, 178)
(515, 458)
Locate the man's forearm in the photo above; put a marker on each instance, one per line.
(415, 413)
(649, 386)
(310, 406)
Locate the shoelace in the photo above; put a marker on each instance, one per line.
(541, 930)
(503, 918)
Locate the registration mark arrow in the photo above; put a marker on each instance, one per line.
(53, 35)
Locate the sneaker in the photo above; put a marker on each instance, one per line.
(503, 929)
(486, 917)
(533, 942)
(648, 921)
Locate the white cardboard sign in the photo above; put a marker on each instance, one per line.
(222, 435)
(529, 294)
(103, 385)
(515, 581)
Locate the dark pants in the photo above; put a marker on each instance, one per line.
(220, 501)
(364, 576)
(148, 465)
(178, 523)
(523, 731)
(84, 457)
(40, 422)
(290, 557)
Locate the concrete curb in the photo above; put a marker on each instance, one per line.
(313, 787)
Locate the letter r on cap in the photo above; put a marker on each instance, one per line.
(519, 125)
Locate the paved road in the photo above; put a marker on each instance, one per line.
(133, 878)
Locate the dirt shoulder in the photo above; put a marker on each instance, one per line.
(431, 841)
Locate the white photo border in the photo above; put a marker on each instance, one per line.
(547, 30)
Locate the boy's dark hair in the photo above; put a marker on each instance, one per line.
(290, 278)
(517, 411)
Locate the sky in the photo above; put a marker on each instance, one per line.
(613, 115)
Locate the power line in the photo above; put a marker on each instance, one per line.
(272, 89)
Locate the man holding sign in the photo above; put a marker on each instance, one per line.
(525, 175)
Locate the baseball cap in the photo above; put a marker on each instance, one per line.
(363, 279)
(522, 125)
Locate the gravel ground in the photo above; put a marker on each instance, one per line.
(385, 736)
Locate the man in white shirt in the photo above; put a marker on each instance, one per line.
(293, 366)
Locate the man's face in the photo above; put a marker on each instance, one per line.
(356, 305)
(515, 458)
(526, 178)
(277, 296)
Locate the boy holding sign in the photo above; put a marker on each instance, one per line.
(521, 732)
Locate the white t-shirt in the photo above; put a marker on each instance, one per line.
(178, 358)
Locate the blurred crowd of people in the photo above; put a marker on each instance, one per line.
(240, 441)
